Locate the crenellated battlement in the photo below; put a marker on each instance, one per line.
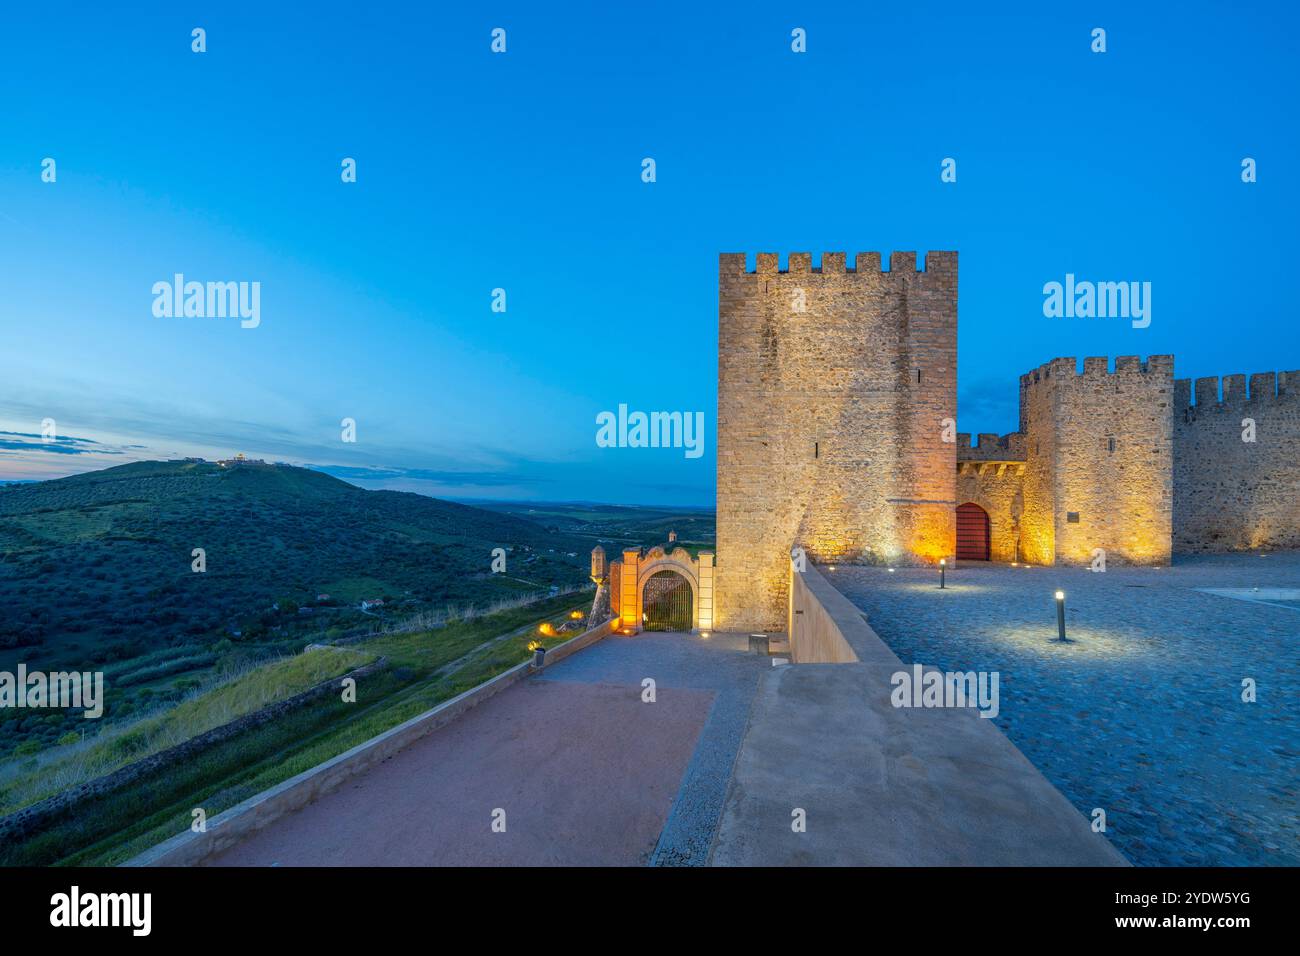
(836, 263)
(1097, 368)
(1237, 462)
(991, 446)
(1264, 388)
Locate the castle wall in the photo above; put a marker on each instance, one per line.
(1231, 494)
(832, 388)
(1099, 461)
(990, 474)
(1038, 479)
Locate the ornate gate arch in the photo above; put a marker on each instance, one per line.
(628, 578)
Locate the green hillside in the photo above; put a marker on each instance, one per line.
(95, 571)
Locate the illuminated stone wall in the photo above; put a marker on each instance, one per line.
(833, 385)
(1099, 461)
(1231, 494)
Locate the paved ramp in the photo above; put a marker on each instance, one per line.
(884, 786)
(585, 772)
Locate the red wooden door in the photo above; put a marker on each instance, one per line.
(972, 533)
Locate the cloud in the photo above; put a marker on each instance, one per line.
(378, 473)
(60, 445)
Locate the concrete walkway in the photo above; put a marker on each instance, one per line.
(585, 772)
(832, 773)
(719, 665)
(880, 786)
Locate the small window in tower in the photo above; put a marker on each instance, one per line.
(1110, 442)
(816, 449)
(1072, 517)
(918, 376)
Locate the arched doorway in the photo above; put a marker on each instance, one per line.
(666, 602)
(972, 533)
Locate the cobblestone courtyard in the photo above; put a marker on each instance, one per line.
(1142, 714)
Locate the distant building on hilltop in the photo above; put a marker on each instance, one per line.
(239, 460)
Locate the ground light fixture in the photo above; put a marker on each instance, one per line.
(943, 567)
(1060, 618)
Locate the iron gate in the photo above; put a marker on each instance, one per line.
(666, 602)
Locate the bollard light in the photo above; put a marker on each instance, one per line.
(1060, 617)
(943, 567)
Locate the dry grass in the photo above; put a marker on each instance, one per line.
(229, 695)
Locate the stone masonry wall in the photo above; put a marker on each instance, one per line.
(833, 384)
(1099, 461)
(1231, 494)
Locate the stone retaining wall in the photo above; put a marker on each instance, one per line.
(825, 627)
(29, 820)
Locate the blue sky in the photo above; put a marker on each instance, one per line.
(522, 171)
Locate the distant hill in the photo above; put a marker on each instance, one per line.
(617, 526)
(97, 567)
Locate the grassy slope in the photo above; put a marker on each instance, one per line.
(227, 700)
(95, 571)
(425, 668)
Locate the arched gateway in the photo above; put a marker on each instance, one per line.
(972, 532)
(659, 590)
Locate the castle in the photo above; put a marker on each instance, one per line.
(837, 397)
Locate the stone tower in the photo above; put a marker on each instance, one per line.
(834, 390)
(1098, 460)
